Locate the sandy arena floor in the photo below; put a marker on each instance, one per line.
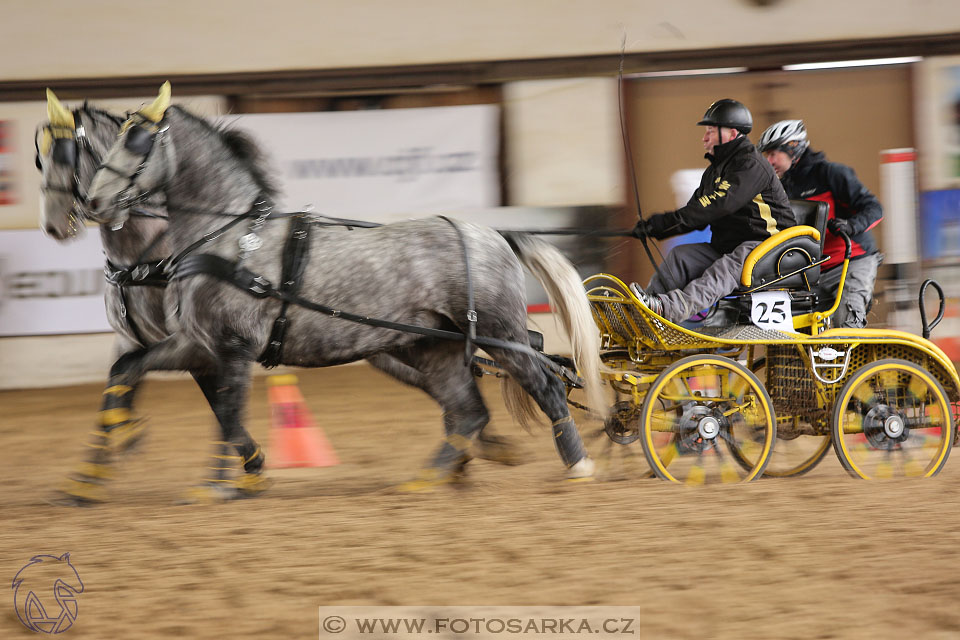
(820, 556)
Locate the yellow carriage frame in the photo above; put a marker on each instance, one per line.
(866, 391)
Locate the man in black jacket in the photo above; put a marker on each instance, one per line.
(807, 174)
(740, 198)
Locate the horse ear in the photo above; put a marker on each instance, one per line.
(156, 110)
(57, 113)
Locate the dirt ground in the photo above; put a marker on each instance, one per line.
(820, 556)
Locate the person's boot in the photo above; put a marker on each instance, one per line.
(649, 300)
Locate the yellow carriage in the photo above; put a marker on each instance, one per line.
(731, 402)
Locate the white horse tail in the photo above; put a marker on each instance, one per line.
(571, 308)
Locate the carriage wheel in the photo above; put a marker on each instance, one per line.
(696, 404)
(613, 444)
(892, 419)
(793, 454)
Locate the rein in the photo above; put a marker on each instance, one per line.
(259, 287)
(331, 221)
(187, 263)
(183, 265)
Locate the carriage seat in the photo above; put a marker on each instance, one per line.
(790, 259)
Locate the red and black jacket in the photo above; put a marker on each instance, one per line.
(814, 177)
(739, 196)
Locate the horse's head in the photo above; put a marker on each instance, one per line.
(139, 164)
(69, 147)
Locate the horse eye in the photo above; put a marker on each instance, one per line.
(65, 151)
(139, 141)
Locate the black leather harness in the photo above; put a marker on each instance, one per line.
(295, 258)
(296, 254)
(144, 274)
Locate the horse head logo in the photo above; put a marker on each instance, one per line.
(36, 579)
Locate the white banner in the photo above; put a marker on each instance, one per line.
(51, 288)
(368, 163)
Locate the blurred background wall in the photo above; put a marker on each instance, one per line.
(550, 65)
(109, 38)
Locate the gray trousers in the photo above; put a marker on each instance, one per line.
(857, 291)
(695, 276)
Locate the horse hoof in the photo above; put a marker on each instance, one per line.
(209, 494)
(500, 449)
(582, 470)
(250, 485)
(79, 493)
(65, 499)
(429, 479)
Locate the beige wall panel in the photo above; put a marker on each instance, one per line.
(57, 38)
(563, 142)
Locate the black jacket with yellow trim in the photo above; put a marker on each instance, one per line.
(739, 196)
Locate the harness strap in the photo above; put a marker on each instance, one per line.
(259, 287)
(173, 262)
(143, 274)
(471, 308)
(295, 258)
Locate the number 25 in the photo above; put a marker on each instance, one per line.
(774, 313)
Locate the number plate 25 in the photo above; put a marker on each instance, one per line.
(771, 310)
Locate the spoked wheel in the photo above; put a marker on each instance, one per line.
(892, 419)
(797, 450)
(698, 411)
(613, 445)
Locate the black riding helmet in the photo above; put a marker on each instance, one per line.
(728, 113)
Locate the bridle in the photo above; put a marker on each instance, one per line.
(139, 140)
(66, 151)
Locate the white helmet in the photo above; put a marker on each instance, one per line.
(789, 136)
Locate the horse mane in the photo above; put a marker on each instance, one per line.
(243, 148)
(96, 112)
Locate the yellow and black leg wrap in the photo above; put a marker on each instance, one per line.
(226, 480)
(87, 483)
(448, 466)
(124, 432)
(118, 433)
(252, 481)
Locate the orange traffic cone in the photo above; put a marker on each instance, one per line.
(294, 440)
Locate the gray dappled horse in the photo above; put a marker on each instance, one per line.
(70, 147)
(219, 195)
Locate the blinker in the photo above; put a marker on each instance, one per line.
(65, 152)
(139, 140)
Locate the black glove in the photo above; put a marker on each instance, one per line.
(642, 229)
(840, 225)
